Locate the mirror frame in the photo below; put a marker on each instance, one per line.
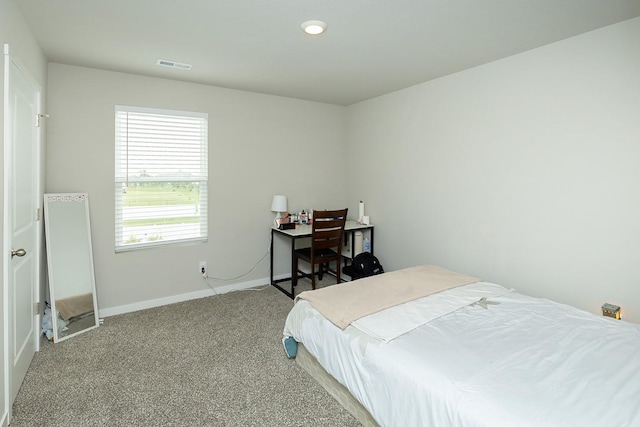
(67, 198)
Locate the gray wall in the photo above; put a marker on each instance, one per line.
(259, 145)
(523, 171)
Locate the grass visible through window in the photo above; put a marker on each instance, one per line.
(161, 194)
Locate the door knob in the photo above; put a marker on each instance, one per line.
(19, 252)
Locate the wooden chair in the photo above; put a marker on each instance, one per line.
(326, 245)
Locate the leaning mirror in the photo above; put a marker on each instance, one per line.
(72, 290)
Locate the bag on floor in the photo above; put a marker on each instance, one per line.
(364, 264)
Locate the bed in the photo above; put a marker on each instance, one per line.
(75, 306)
(470, 353)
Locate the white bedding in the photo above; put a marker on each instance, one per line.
(511, 360)
(389, 324)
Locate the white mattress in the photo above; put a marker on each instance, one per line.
(510, 360)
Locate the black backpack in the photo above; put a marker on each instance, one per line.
(363, 265)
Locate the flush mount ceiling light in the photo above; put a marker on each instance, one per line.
(314, 27)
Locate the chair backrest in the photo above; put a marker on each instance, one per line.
(328, 229)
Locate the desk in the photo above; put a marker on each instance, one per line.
(303, 231)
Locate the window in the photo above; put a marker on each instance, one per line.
(160, 177)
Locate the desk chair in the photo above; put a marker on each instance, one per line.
(327, 231)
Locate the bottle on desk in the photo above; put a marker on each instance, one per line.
(367, 244)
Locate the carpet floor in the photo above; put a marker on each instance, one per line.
(215, 361)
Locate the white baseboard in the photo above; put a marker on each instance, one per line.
(129, 308)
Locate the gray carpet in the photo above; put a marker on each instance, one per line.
(215, 361)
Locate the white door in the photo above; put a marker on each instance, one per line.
(21, 204)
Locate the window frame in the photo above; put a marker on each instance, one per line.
(122, 178)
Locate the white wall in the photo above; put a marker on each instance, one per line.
(259, 145)
(22, 47)
(523, 171)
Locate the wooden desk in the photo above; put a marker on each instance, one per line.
(303, 231)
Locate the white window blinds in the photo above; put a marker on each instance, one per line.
(160, 177)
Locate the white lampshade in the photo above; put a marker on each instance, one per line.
(279, 204)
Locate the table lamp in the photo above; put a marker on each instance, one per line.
(278, 205)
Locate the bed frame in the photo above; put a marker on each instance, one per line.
(335, 389)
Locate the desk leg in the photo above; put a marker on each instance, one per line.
(353, 248)
(274, 282)
(271, 260)
(293, 265)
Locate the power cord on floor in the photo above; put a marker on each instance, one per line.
(230, 279)
(206, 280)
(206, 276)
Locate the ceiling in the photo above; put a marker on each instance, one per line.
(371, 47)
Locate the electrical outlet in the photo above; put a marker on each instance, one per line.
(203, 268)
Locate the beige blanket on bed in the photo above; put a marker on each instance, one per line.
(347, 302)
(75, 305)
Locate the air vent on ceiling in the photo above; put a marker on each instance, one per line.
(173, 64)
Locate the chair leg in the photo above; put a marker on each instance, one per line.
(320, 271)
(313, 276)
(338, 271)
